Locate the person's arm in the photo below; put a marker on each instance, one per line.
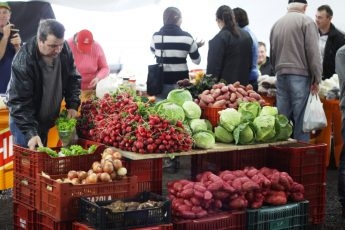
(103, 67)
(340, 70)
(4, 40)
(194, 53)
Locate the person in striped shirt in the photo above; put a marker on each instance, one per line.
(175, 45)
(90, 61)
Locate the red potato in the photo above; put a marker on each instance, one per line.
(187, 193)
(215, 93)
(202, 103)
(232, 88)
(199, 187)
(195, 201)
(205, 92)
(198, 195)
(276, 198)
(249, 87)
(239, 203)
(255, 95)
(224, 89)
(216, 185)
(219, 104)
(250, 186)
(221, 195)
(222, 97)
(242, 91)
(233, 97)
(207, 98)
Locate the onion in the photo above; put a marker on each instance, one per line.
(117, 164)
(91, 179)
(113, 175)
(108, 167)
(122, 171)
(82, 175)
(117, 155)
(75, 181)
(105, 177)
(96, 167)
(72, 174)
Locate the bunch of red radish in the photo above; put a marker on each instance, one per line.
(125, 123)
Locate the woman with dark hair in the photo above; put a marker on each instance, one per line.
(230, 51)
(174, 45)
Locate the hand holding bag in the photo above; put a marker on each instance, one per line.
(155, 77)
(314, 115)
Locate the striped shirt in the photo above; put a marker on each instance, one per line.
(176, 46)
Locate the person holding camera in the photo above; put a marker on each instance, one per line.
(9, 45)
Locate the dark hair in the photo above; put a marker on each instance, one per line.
(171, 16)
(326, 8)
(241, 17)
(50, 26)
(225, 14)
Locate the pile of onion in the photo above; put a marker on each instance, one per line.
(109, 168)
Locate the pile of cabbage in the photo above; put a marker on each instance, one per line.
(179, 106)
(251, 123)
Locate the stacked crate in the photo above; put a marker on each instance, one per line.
(43, 203)
(6, 160)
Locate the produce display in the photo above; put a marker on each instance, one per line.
(109, 168)
(133, 123)
(232, 190)
(122, 206)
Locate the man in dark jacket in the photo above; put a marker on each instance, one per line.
(43, 74)
(331, 39)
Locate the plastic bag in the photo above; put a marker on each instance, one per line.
(314, 115)
(107, 85)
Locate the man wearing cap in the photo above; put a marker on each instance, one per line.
(43, 74)
(90, 61)
(9, 45)
(331, 39)
(295, 57)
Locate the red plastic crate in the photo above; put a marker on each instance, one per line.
(218, 221)
(24, 217)
(45, 222)
(149, 173)
(25, 190)
(232, 160)
(28, 162)
(305, 164)
(85, 226)
(60, 200)
(316, 195)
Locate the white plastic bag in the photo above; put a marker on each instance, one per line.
(314, 115)
(107, 85)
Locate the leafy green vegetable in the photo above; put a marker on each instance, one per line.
(244, 134)
(198, 125)
(264, 128)
(283, 128)
(249, 110)
(65, 124)
(204, 139)
(47, 150)
(222, 135)
(206, 83)
(192, 110)
(170, 111)
(229, 118)
(179, 96)
(74, 150)
(269, 110)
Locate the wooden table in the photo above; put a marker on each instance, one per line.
(219, 147)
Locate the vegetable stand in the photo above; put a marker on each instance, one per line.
(304, 161)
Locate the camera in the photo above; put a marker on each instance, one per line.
(13, 32)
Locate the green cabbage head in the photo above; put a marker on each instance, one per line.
(229, 118)
(283, 128)
(244, 134)
(223, 135)
(264, 128)
(249, 110)
(170, 111)
(269, 110)
(191, 109)
(179, 96)
(198, 125)
(204, 139)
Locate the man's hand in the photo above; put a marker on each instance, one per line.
(16, 41)
(6, 31)
(314, 88)
(72, 113)
(34, 141)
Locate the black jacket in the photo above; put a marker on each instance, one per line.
(336, 39)
(266, 68)
(229, 57)
(24, 92)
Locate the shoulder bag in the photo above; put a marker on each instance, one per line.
(154, 83)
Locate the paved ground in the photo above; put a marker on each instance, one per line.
(333, 220)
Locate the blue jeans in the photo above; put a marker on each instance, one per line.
(292, 97)
(341, 178)
(18, 136)
(20, 139)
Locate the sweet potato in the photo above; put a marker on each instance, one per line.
(250, 186)
(208, 195)
(207, 98)
(187, 193)
(201, 214)
(233, 97)
(199, 187)
(219, 104)
(214, 186)
(221, 195)
(232, 88)
(238, 203)
(187, 214)
(276, 198)
(224, 89)
(216, 93)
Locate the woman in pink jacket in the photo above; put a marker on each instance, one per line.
(90, 61)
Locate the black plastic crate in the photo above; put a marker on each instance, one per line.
(103, 218)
